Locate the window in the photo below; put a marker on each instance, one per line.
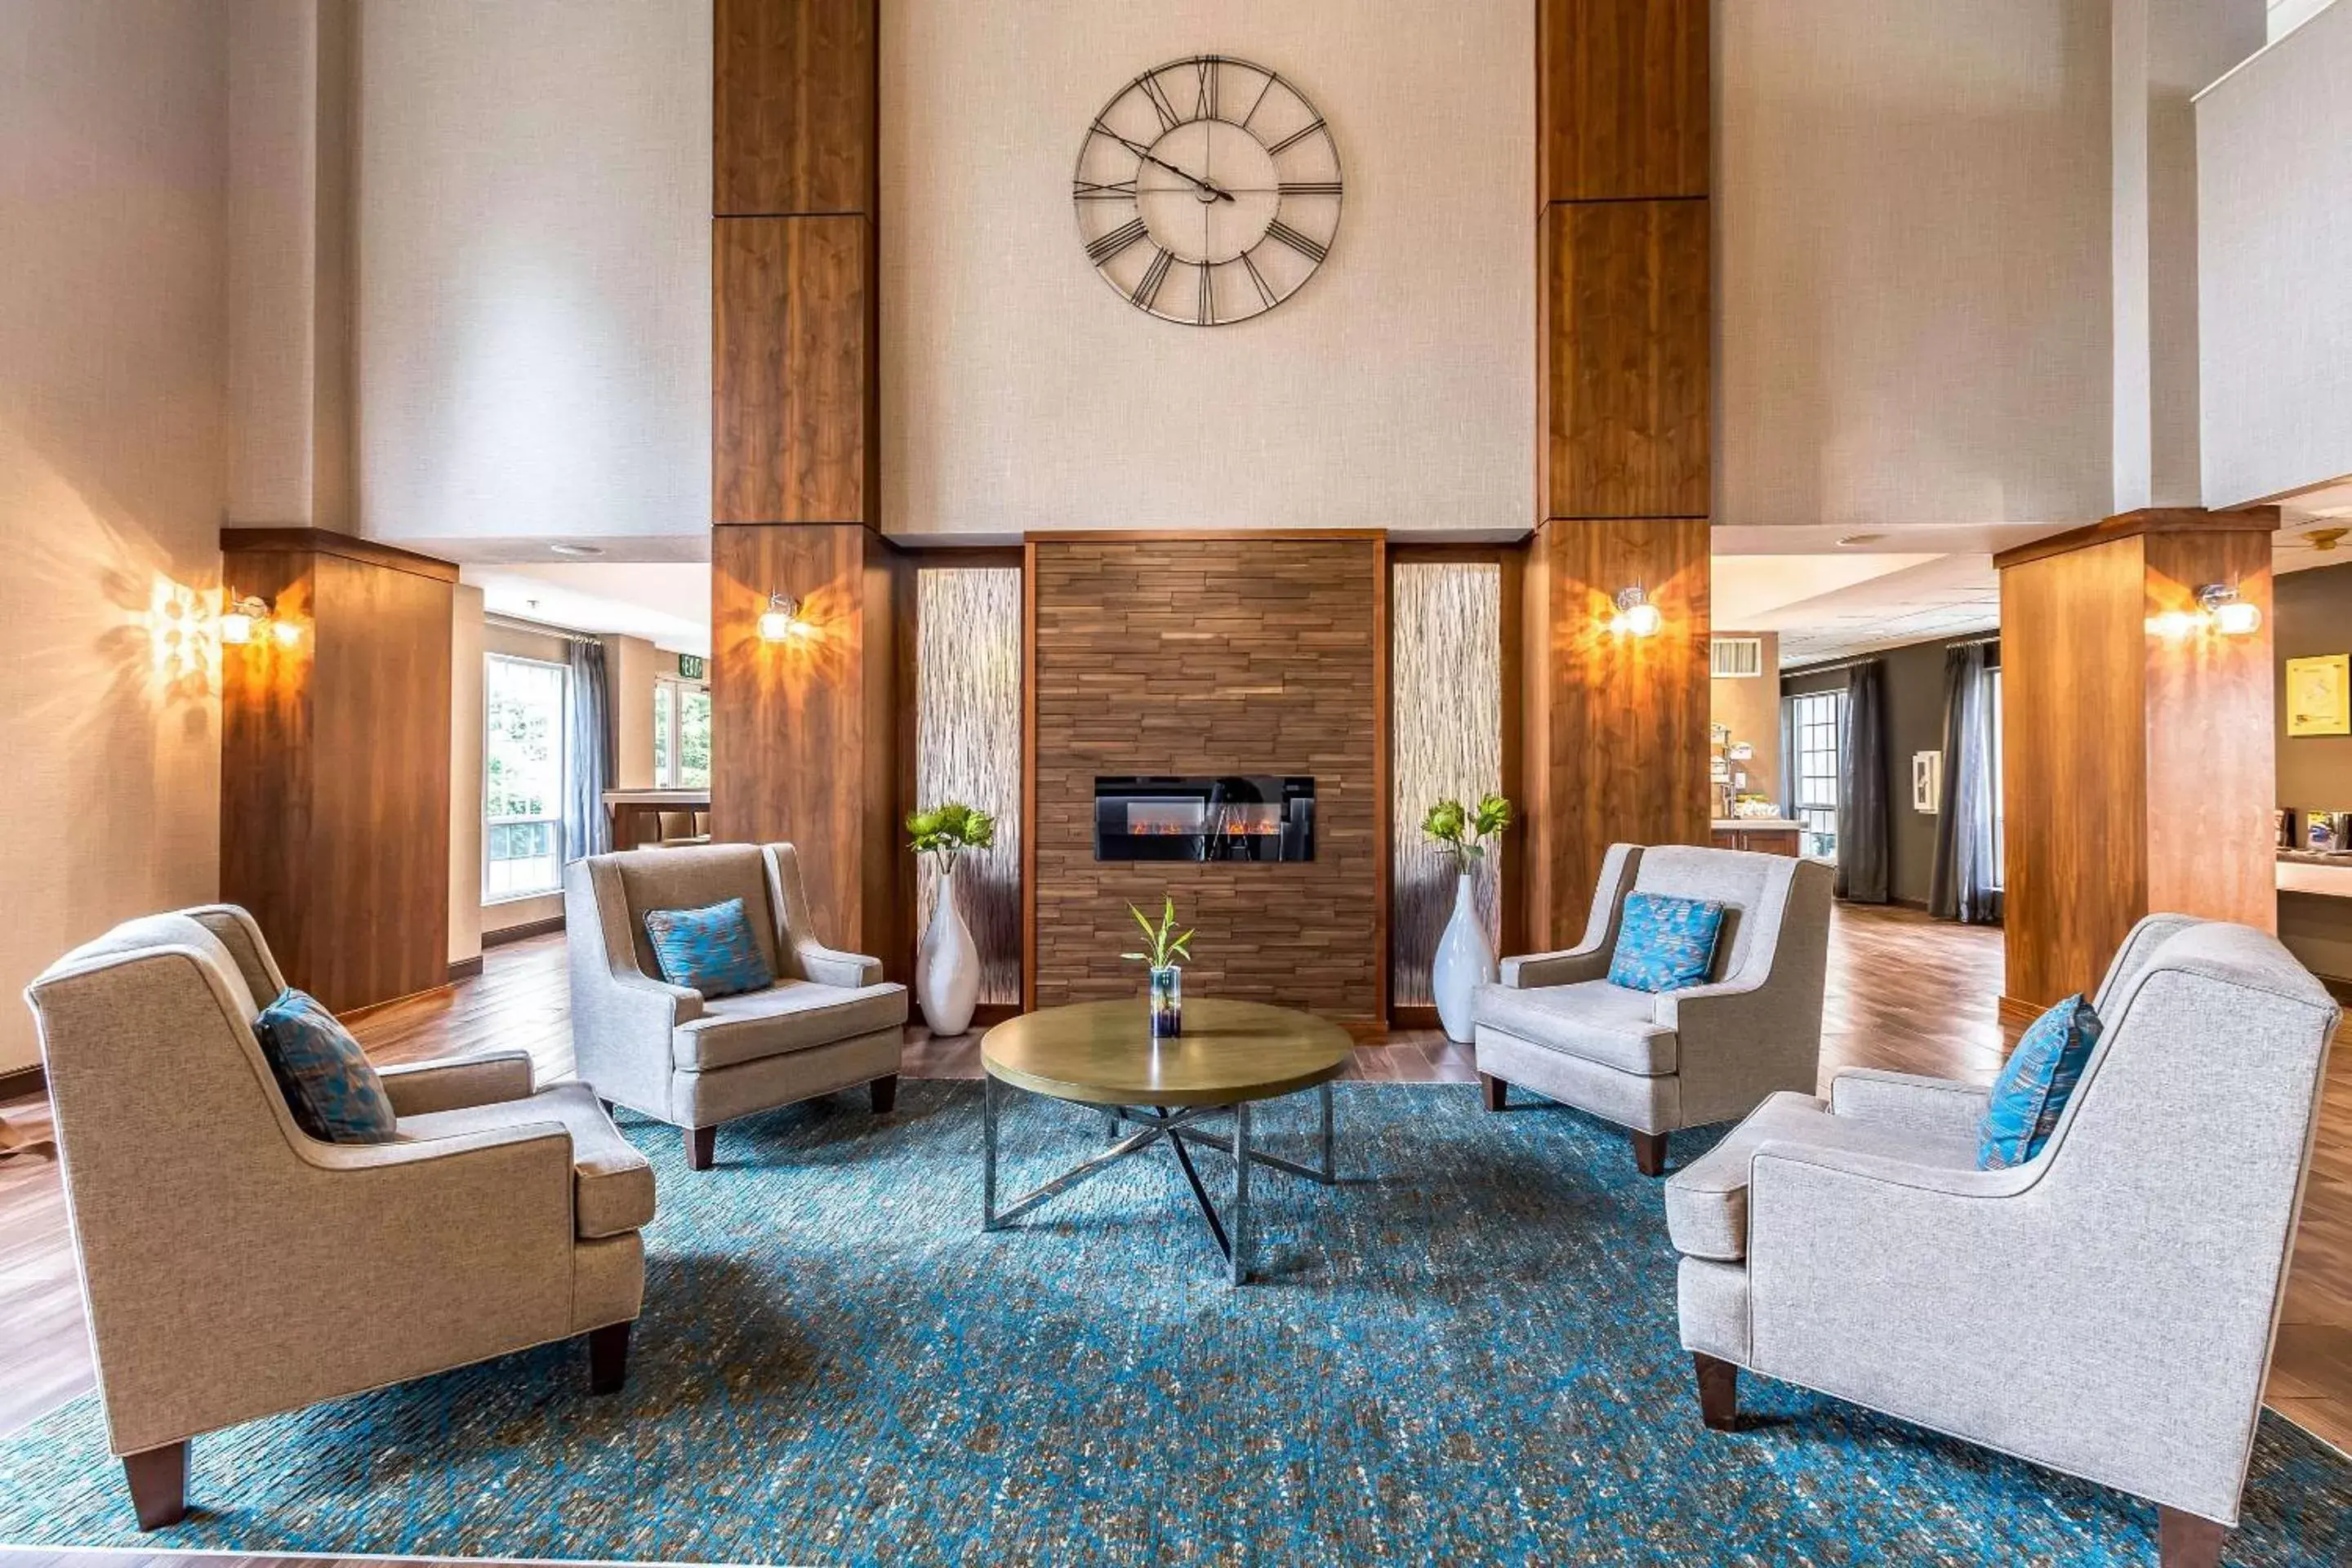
(1815, 721)
(524, 703)
(681, 735)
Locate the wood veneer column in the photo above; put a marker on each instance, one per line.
(335, 762)
(1616, 726)
(804, 734)
(2140, 766)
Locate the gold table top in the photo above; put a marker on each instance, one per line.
(1102, 1053)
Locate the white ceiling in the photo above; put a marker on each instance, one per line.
(666, 603)
(1827, 609)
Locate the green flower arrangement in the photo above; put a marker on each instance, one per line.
(1461, 833)
(947, 830)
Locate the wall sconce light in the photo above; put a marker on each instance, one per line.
(2219, 609)
(246, 618)
(781, 619)
(2230, 615)
(1635, 617)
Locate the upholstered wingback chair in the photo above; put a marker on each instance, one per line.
(234, 1268)
(2106, 1309)
(1658, 1062)
(830, 1021)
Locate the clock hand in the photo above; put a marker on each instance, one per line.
(1146, 154)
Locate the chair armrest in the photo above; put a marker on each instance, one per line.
(1856, 1170)
(422, 1087)
(828, 966)
(1906, 1099)
(653, 1006)
(1563, 968)
(1703, 1000)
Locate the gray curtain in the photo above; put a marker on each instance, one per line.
(588, 756)
(1862, 787)
(1963, 886)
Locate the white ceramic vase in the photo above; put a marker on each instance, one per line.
(947, 970)
(1463, 962)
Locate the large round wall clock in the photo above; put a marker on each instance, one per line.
(1208, 191)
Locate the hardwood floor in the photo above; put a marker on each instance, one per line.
(1903, 992)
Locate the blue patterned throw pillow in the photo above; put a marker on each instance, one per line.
(711, 950)
(2035, 1084)
(334, 1094)
(1663, 943)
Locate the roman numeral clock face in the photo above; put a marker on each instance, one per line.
(1208, 191)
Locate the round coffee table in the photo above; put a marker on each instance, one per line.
(1230, 1055)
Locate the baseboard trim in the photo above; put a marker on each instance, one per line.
(1414, 1016)
(465, 968)
(2014, 1011)
(1919, 904)
(523, 932)
(24, 1083)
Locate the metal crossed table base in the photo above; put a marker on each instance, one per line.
(1177, 1129)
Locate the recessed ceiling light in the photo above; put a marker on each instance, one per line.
(577, 549)
(1844, 539)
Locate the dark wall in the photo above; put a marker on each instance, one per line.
(2313, 612)
(1915, 722)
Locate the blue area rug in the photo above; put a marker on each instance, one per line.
(1466, 1354)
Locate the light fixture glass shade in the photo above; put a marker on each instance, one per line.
(236, 627)
(287, 633)
(2237, 618)
(2174, 624)
(780, 620)
(1635, 617)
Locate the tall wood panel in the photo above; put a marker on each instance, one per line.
(803, 732)
(335, 762)
(792, 107)
(793, 370)
(806, 733)
(2138, 765)
(1211, 653)
(1616, 725)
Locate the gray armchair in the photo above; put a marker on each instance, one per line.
(830, 1022)
(234, 1268)
(2106, 1309)
(1658, 1063)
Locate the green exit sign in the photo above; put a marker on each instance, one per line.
(690, 666)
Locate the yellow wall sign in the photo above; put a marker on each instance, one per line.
(2319, 695)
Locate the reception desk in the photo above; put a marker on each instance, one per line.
(1763, 835)
(635, 814)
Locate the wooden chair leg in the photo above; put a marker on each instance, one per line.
(1650, 1154)
(159, 1485)
(608, 1358)
(1494, 1089)
(885, 1090)
(2186, 1539)
(701, 1147)
(1718, 1393)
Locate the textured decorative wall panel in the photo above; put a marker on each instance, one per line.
(1162, 656)
(1446, 721)
(968, 748)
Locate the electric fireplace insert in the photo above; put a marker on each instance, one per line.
(1238, 817)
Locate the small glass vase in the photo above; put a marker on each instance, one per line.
(1167, 1003)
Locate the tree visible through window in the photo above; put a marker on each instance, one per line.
(1815, 721)
(681, 735)
(524, 704)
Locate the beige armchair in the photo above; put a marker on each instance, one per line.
(234, 1268)
(1657, 1063)
(830, 1022)
(2107, 1308)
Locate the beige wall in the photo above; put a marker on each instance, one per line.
(533, 308)
(1396, 390)
(632, 665)
(1912, 262)
(2274, 161)
(112, 168)
(1751, 707)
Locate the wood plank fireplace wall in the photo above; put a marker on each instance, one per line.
(1204, 653)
